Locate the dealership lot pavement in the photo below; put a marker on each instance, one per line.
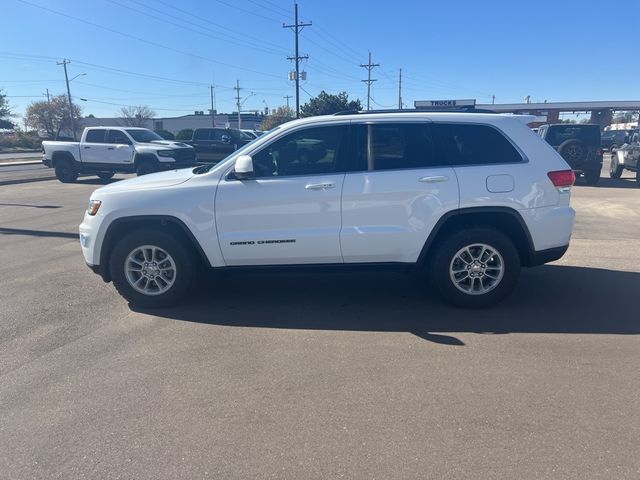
(318, 376)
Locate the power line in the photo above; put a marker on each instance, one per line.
(208, 23)
(369, 66)
(140, 39)
(297, 28)
(251, 12)
(241, 43)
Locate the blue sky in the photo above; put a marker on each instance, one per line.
(165, 53)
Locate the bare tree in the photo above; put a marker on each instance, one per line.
(136, 116)
(51, 116)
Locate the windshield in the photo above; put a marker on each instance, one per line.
(246, 136)
(143, 136)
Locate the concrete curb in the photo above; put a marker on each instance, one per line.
(17, 164)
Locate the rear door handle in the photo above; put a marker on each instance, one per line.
(319, 186)
(110, 148)
(434, 179)
(87, 147)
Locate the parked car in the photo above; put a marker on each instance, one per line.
(467, 198)
(215, 144)
(104, 151)
(613, 139)
(579, 145)
(627, 157)
(249, 133)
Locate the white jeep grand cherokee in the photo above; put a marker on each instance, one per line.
(468, 198)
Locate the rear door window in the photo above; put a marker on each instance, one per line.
(396, 146)
(472, 144)
(95, 136)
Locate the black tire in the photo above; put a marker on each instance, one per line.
(182, 275)
(105, 175)
(146, 166)
(592, 177)
(443, 258)
(65, 171)
(638, 176)
(615, 169)
(573, 151)
(613, 148)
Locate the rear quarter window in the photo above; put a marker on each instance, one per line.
(473, 144)
(561, 133)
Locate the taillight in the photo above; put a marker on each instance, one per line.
(562, 179)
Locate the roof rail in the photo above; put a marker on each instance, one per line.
(417, 110)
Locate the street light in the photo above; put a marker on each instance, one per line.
(79, 75)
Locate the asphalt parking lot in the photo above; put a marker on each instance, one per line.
(318, 376)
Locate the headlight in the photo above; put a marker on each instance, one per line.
(166, 153)
(93, 207)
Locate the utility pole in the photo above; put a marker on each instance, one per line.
(64, 63)
(297, 28)
(213, 105)
(369, 66)
(287, 97)
(48, 97)
(400, 91)
(493, 99)
(237, 89)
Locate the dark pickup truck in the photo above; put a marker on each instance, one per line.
(215, 144)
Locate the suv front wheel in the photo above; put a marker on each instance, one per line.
(152, 269)
(475, 268)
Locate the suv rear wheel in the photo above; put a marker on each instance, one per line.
(573, 151)
(152, 269)
(475, 268)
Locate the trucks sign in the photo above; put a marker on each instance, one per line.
(445, 104)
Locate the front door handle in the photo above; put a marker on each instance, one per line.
(319, 186)
(110, 148)
(434, 179)
(86, 148)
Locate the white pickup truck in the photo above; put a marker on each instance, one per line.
(105, 151)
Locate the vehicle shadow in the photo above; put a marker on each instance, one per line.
(549, 299)
(97, 181)
(606, 182)
(28, 205)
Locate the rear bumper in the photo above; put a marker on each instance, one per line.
(541, 257)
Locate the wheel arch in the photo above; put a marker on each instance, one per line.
(167, 223)
(505, 219)
(57, 157)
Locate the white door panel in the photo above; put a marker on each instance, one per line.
(277, 221)
(121, 154)
(388, 215)
(95, 152)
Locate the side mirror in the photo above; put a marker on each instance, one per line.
(244, 167)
